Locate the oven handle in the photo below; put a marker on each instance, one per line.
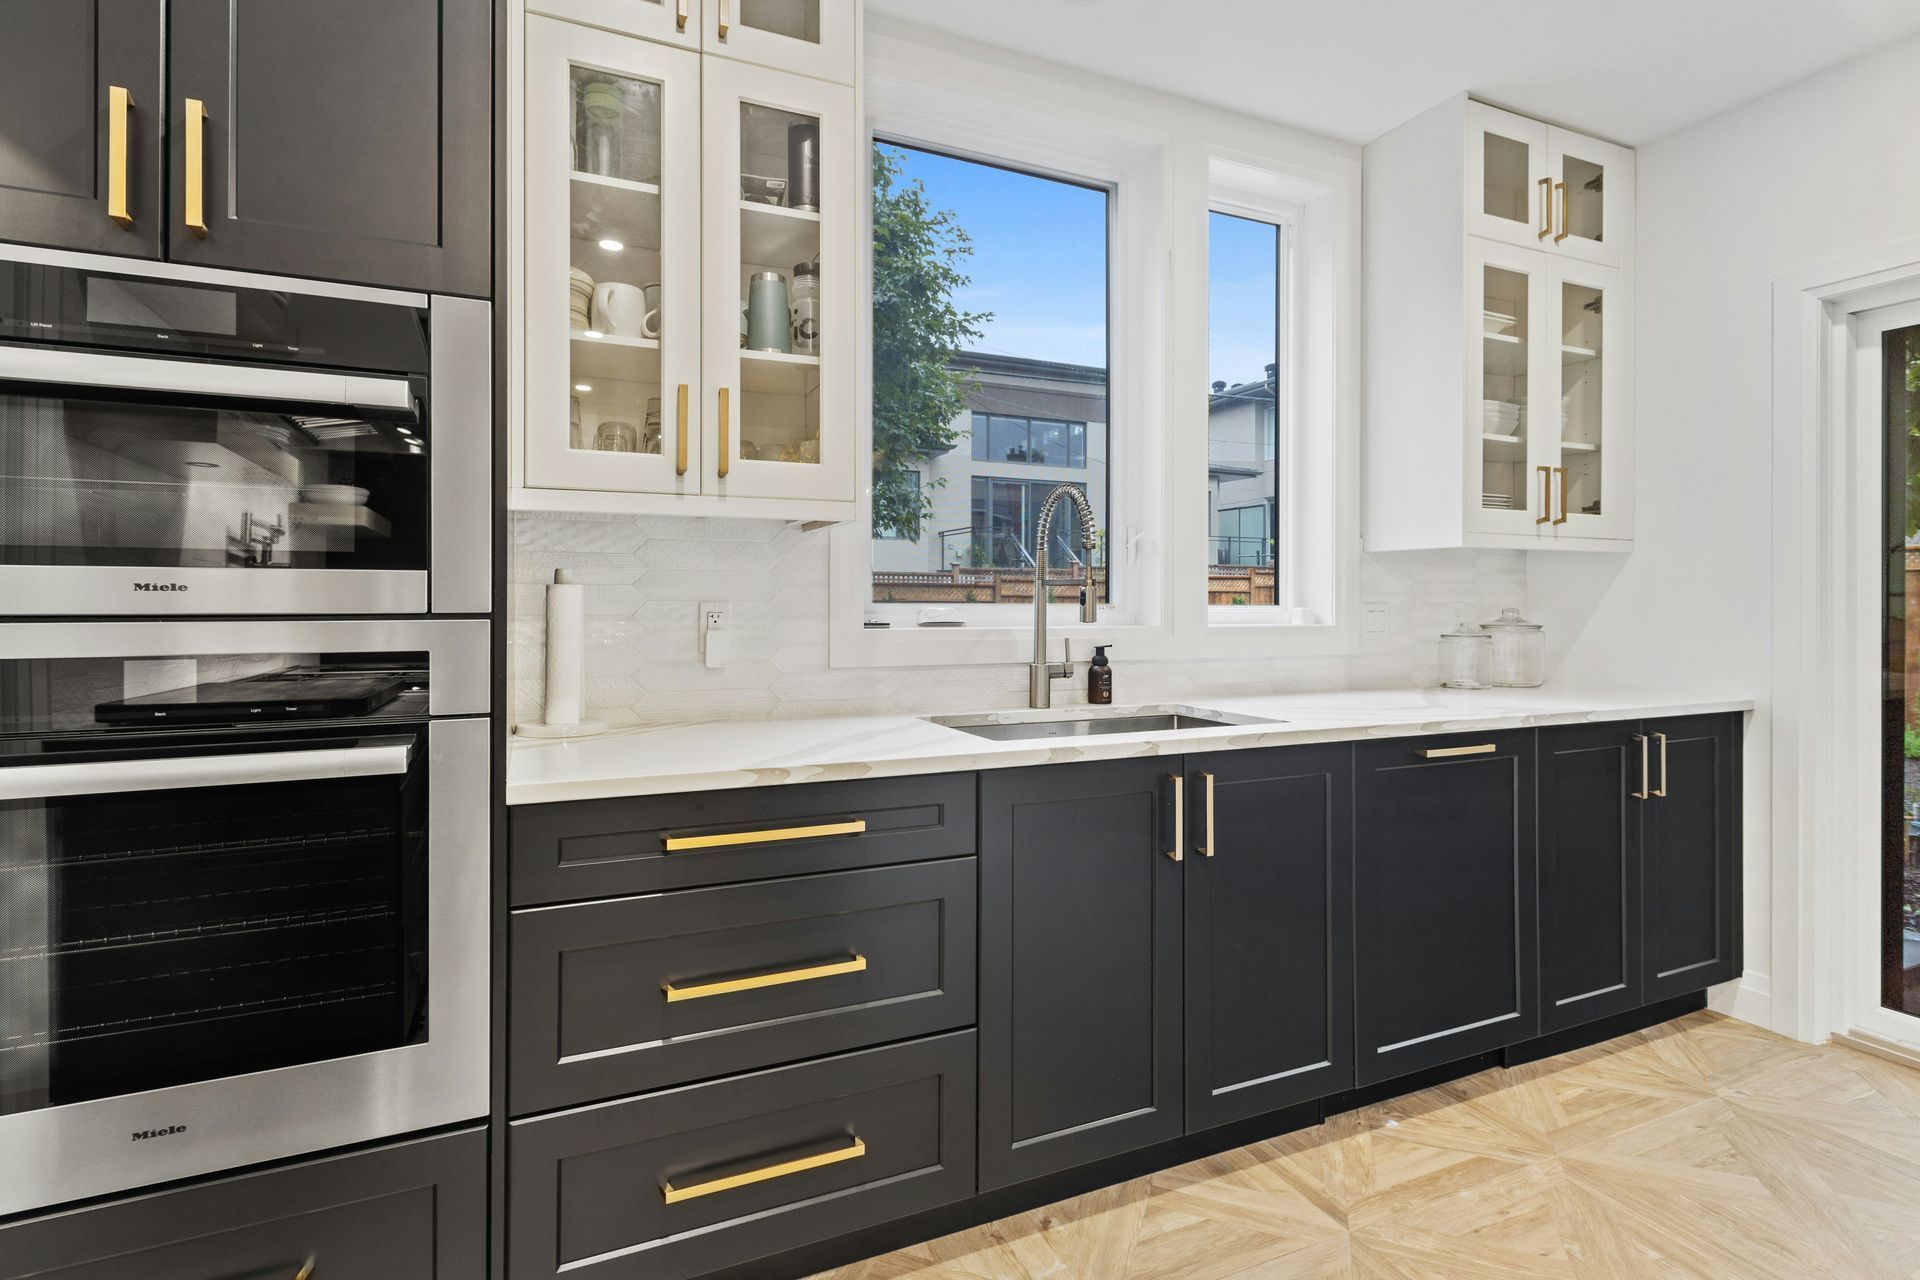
(55, 366)
(109, 777)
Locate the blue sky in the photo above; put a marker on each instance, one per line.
(1040, 266)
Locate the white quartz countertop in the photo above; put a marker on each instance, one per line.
(641, 760)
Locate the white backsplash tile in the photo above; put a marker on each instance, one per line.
(645, 576)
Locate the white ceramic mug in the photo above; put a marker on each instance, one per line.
(621, 310)
(650, 324)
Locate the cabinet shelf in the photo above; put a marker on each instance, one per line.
(1578, 446)
(622, 359)
(778, 373)
(1570, 354)
(778, 237)
(1499, 448)
(1506, 355)
(580, 176)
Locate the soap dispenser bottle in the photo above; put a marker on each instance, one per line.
(1100, 677)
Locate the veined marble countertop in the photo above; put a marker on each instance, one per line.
(641, 760)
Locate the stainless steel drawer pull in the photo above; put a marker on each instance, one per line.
(1661, 790)
(177, 773)
(1178, 852)
(67, 368)
(1646, 784)
(1445, 753)
(674, 1195)
(678, 844)
(727, 986)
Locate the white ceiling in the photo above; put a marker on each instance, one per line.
(1629, 70)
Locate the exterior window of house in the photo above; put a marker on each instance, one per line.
(1245, 300)
(990, 376)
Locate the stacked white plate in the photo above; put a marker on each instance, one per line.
(579, 298)
(1502, 418)
(1497, 501)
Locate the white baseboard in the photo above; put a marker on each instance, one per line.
(1866, 1042)
(1750, 999)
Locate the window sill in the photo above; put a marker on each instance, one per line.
(914, 646)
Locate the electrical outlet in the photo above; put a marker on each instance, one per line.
(713, 633)
(1376, 618)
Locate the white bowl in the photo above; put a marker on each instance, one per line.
(337, 495)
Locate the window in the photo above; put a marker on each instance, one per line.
(1244, 421)
(990, 375)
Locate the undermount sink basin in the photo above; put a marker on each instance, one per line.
(1090, 722)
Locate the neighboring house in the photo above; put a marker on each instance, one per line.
(1241, 511)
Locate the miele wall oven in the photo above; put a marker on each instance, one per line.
(185, 441)
(243, 894)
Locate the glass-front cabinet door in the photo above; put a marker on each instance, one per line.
(1588, 453)
(779, 310)
(670, 21)
(1508, 190)
(1592, 185)
(1509, 364)
(812, 37)
(612, 296)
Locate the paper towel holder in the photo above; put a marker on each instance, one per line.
(566, 665)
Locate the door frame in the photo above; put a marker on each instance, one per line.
(1825, 723)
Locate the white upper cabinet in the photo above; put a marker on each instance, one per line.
(677, 22)
(812, 37)
(1535, 275)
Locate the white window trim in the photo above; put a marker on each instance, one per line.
(1160, 155)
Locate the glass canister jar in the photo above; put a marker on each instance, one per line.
(1466, 657)
(1519, 651)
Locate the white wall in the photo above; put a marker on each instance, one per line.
(1817, 170)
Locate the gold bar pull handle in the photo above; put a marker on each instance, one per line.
(119, 110)
(726, 433)
(728, 986)
(1661, 790)
(308, 1270)
(680, 444)
(674, 1195)
(1563, 233)
(1207, 850)
(725, 25)
(1178, 852)
(1448, 753)
(727, 839)
(1546, 494)
(1562, 473)
(195, 212)
(680, 17)
(1646, 778)
(1546, 208)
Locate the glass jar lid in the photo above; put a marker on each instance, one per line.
(1510, 620)
(1465, 631)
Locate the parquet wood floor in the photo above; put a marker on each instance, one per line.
(1704, 1148)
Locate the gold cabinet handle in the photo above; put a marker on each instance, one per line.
(725, 26)
(119, 109)
(1563, 233)
(680, 450)
(680, 17)
(1207, 849)
(1447, 753)
(726, 433)
(1546, 208)
(1178, 851)
(674, 1195)
(195, 213)
(1546, 494)
(309, 1270)
(726, 839)
(726, 987)
(1562, 473)
(1645, 777)
(1661, 790)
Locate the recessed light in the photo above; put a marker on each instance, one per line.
(612, 246)
(583, 386)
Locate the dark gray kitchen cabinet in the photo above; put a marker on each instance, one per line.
(1446, 957)
(411, 1211)
(1269, 930)
(1080, 986)
(80, 162)
(1591, 805)
(349, 140)
(1691, 856)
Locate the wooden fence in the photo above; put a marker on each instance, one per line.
(1226, 584)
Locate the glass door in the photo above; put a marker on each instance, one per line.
(1508, 362)
(1592, 197)
(612, 234)
(670, 21)
(1588, 451)
(812, 37)
(1508, 190)
(780, 281)
(1898, 882)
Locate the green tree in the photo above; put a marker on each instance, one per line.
(919, 256)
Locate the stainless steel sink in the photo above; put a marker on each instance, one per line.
(1015, 725)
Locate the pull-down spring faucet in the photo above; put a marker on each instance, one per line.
(1041, 673)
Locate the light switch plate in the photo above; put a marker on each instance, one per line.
(1376, 618)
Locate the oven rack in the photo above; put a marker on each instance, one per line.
(309, 848)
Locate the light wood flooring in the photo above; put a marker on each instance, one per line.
(1702, 1148)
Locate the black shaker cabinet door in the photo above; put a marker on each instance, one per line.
(349, 140)
(80, 164)
(1446, 957)
(1692, 857)
(1080, 1035)
(1269, 912)
(1591, 803)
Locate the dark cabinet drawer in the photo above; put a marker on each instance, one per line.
(415, 1211)
(681, 1183)
(604, 848)
(640, 993)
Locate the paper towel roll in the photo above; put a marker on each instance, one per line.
(566, 650)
